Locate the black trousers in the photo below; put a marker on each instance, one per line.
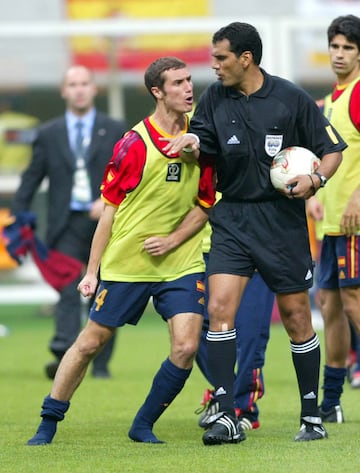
(70, 310)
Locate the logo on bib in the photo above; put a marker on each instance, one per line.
(174, 172)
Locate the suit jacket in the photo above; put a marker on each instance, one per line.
(52, 158)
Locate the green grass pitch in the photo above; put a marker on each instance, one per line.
(93, 437)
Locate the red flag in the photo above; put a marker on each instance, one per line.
(57, 269)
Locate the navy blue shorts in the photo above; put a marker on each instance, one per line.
(339, 262)
(120, 303)
(270, 236)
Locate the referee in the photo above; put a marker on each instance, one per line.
(242, 121)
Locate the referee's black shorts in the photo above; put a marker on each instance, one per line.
(270, 236)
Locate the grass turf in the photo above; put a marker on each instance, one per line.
(93, 437)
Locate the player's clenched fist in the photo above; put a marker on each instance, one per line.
(88, 285)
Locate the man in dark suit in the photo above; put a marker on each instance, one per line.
(71, 151)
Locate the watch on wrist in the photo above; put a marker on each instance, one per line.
(323, 179)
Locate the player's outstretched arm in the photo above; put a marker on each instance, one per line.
(187, 145)
(88, 284)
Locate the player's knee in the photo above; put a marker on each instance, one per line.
(298, 325)
(185, 350)
(89, 344)
(218, 311)
(220, 319)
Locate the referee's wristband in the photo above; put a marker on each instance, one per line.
(313, 188)
(188, 149)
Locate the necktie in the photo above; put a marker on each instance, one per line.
(79, 141)
(81, 191)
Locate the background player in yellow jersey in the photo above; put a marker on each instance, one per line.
(147, 193)
(338, 208)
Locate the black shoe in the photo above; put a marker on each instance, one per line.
(334, 415)
(248, 421)
(311, 430)
(209, 410)
(225, 429)
(210, 415)
(103, 373)
(51, 369)
(355, 378)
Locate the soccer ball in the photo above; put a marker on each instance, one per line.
(291, 162)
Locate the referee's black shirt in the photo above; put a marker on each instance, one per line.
(245, 132)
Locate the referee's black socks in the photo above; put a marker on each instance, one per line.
(306, 359)
(222, 357)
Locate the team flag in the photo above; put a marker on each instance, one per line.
(57, 269)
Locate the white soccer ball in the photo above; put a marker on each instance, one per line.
(291, 162)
